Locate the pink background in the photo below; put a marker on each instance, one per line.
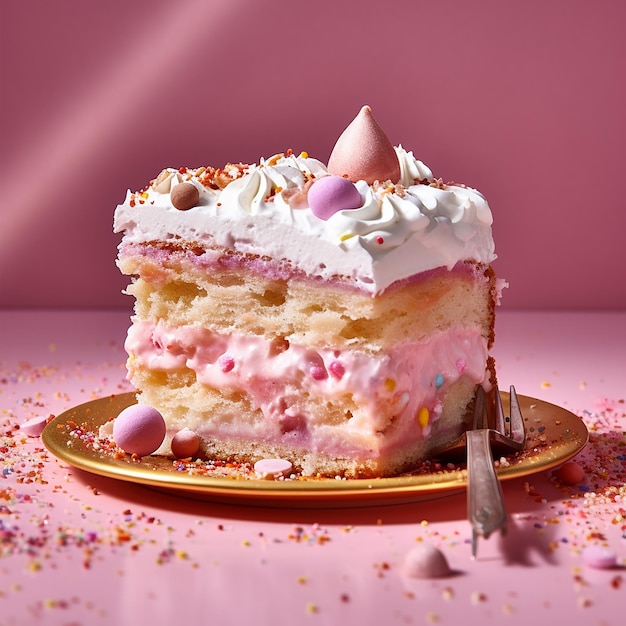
(525, 101)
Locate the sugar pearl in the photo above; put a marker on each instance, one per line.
(185, 443)
(570, 473)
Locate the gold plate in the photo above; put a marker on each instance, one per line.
(554, 435)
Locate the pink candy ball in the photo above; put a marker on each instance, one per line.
(330, 194)
(426, 561)
(139, 429)
(185, 443)
(570, 473)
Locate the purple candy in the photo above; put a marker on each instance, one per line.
(139, 429)
(330, 194)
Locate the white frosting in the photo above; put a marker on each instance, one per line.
(397, 232)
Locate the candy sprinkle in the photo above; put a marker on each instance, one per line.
(423, 417)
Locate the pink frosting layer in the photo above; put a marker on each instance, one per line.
(393, 391)
(207, 259)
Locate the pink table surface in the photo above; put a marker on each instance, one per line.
(84, 550)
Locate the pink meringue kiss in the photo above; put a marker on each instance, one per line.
(331, 194)
(364, 152)
(139, 429)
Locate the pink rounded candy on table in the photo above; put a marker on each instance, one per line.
(599, 557)
(570, 473)
(185, 443)
(272, 468)
(331, 194)
(426, 561)
(34, 426)
(139, 429)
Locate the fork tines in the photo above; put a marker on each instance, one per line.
(512, 426)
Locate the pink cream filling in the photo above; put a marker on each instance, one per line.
(397, 395)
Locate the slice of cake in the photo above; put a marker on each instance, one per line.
(339, 317)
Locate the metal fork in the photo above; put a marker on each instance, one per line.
(485, 503)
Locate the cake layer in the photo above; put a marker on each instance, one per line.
(178, 287)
